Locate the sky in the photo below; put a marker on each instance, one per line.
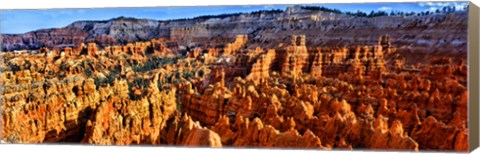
(22, 21)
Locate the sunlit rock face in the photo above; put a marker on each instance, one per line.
(245, 90)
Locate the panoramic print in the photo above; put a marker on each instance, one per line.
(354, 76)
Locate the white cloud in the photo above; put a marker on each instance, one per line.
(439, 5)
(62, 13)
(459, 6)
(268, 7)
(432, 9)
(385, 8)
(435, 4)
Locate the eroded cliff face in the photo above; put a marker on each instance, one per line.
(295, 95)
(438, 33)
(120, 121)
(47, 111)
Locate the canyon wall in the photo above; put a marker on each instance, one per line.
(437, 33)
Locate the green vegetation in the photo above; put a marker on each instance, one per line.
(63, 66)
(139, 83)
(109, 78)
(88, 72)
(27, 65)
(13, 67)
(321, 8)
(188, 74)
(179, 106)
(446, 9)
(226, 15)
(154, 63)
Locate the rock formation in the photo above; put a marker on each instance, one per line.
(178, 90)
(439, 32)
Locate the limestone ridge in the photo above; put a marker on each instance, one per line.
(324, 28)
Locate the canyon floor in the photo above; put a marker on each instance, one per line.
(292, 95)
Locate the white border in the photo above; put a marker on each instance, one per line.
(44, 4)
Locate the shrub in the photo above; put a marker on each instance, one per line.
(88, 72)
(153, 63)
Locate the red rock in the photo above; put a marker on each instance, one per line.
(242, 94)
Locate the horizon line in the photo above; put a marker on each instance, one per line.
(286, 6)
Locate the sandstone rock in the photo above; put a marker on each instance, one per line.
(245, 93)
(444, 138)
